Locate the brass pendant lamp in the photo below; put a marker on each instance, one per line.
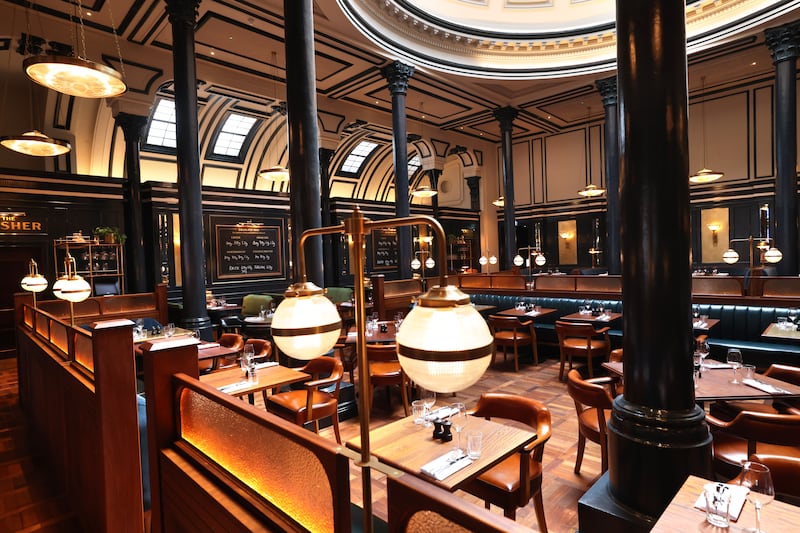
(276, 173)
(705, 174)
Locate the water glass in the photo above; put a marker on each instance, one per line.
(418, 412)
(474, 444)
(169, 330)
(718, 503)
(748, 372)
(783, 322)
(734, 359)
(247, 363)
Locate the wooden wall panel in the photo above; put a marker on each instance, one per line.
(726, 136)
(565, 165)
(521, 159)
(539, 190)
(764, 136)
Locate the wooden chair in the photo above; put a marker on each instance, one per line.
(509, 331)
(615, 356)
(385, 371)
(580, 339)
(593, 398)
(262, 349)
(748, 433)
(513, 482)
(312, 403)
(229, 340)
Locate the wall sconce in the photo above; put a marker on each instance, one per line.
(714, 227)
(590, 191)
(34, 282)
(443, 345)
(500, 202)
(567, 236)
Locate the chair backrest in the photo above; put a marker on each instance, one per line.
(261, 348)
(338, 294)
(789, 374)
(518, 408)
(324, 371)
(589, 393)
(381, 352)
(252, 303)
(581, 330)
(770, 428)
(231, 340)
(785, 472)
(499, 322)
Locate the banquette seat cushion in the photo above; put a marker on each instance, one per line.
(252, 303)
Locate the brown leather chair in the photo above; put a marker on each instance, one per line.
(513, 482)
(346, 351)
(749, 433)
(509, 331)
(593, 398)
(785, 473)
(229, 340)
(262, 349)
(727, 410)
(311, 403)
(580, 339)
(615, 356)
(385, 371)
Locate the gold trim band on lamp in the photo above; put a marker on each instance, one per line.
(296, 332)
(444, 357)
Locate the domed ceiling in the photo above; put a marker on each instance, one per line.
(532, 39)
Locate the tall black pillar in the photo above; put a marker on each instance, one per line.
(506, 116)
(657, 433)
(182, 15)
(331, 269)
(433, 176)
(608, 92)
(301, 100)
(139, 277)
(398, 74)
(784, 44)
(473, 183)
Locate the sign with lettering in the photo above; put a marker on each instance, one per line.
(17, 223)
(249, 250)
(384, 249)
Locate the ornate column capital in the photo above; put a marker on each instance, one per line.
(783, 42)
(133, 126)
(182, 11)
(506, 116)
(607, 87)
(397, 74)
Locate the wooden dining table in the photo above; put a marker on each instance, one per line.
(269, 378)
(682, 515)
(715, 384)
(605, 318)
(774, 331)
(408, 447)
(522, 313)
(377, 336)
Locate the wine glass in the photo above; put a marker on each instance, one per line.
(458, 419)
(428, 398)
(246, 360)
(793, 314)
(696, 359)
(734, 359)
(758, 479)
(701, 348)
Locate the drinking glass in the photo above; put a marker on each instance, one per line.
(793, 315)
(758, 479)
(696, 360)
(247, 361)
(428, 398)
(734, 359)
(169, 330)
(458, 419)
(701, 348)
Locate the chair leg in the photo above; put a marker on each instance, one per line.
(535, 348)
(579, 457)
(404, 396)
(538, 506)
(510, 512)
(335, 420)
(561, 370)
(516, 358)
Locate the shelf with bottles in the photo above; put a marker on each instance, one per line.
(95, 261)
(460, 255)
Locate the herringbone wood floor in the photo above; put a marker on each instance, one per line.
(30, 501)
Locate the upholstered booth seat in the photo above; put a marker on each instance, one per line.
(339, 294)
(252, 304)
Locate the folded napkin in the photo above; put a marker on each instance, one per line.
(446, 465)
(699, 324)
(532, 313)
(603, 317)
(233, 387)
(207, 345)
(268, 364)
(766, 387)
(711, 364)
(442, 413)
(738, 497)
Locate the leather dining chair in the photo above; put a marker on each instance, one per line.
(785, 471)
(262, 349)
(517, 479)
(511, 332)
(319, 398)
(228, 340)
(580, 339)
(593, 398)
(384, 370)
(748, 433)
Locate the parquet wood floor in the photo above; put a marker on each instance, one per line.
(30, 502)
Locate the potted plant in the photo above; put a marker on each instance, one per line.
(109, 234)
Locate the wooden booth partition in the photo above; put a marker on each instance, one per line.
(78, 390)
(390, 297)
(219, 464)
(130, 306)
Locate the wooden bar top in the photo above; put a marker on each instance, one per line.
(682, 515)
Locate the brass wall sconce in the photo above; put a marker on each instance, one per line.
(567, 236)
(34, 282)
(714, 228)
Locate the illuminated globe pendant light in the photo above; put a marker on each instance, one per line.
(75, 76)
(34, 282)
(730, 256)
(773, 255)
(540, 260)
(306, 324)
(35, 143)
(444, 363)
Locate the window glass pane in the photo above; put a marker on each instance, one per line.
(413, 165)
(233, 134)
(356, 158)
(162, 125)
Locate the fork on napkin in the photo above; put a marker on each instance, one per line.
(446, 465)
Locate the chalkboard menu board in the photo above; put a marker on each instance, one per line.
(384, 249)
(249, 250)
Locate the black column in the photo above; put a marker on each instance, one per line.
(433, 176)
(473, 183)
(506, 116)
(608, 92)
(301, 100)
(783, 43)
(182, 15)
(331, 268)
(398, 74)
(657, 434)
(139, 277)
